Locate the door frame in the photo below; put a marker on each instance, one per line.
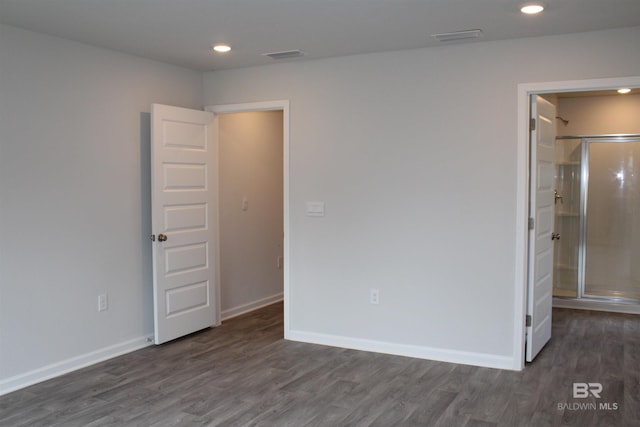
(277, 105)
(525, 90)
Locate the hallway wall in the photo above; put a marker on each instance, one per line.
(250, 159)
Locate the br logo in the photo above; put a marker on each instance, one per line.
(584, 390)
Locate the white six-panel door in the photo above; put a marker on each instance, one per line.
(184, 196)
(542, 176)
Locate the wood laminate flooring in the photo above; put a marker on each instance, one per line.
(243, 374)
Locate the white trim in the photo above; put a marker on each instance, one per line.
(254, 305)
(56, 369)
(430, 353)
(249, 106)
(270, 106)
(522, 191)
(216, 223)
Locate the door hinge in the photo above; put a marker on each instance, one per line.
(153, 237)
(528, 320)
(531, 223)
(532, 124)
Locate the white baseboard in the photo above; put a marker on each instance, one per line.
(56, 369)
(254, 305)
(420, 352)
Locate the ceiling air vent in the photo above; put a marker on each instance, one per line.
(285, 54)
(457, 35)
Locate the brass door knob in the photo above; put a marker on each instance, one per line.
(162, 237)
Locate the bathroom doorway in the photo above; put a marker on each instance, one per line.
(575, 117)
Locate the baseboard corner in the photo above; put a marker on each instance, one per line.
(53, 370)
(251, 306)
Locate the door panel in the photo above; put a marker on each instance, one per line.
(612, 235)
(540, 283)
(184, 194)
(185, 217)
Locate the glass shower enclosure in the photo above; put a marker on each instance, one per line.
(597, 214)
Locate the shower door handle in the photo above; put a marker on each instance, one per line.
(555, 236)
(557, 197)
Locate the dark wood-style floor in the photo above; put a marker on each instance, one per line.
(243, 373)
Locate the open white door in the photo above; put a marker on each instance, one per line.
(542, 179)
(183, 204)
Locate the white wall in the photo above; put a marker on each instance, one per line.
(414, 153)
(75, 199)
(598, 115)
(250, 156)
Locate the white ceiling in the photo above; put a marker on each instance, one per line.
(181, 31)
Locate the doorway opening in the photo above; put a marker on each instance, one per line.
(250, 210)
(253, 145)
(525, 93)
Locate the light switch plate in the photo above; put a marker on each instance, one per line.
(315, 208)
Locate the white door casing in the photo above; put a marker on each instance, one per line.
(540, 270)
(184, 212)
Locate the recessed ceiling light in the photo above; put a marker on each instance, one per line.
(624, 90)
(532, 9)
(221, 48)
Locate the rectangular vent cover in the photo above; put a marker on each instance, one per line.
(457, 35)
(284, 54)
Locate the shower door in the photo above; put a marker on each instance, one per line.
(566, 271)
(612, 213)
